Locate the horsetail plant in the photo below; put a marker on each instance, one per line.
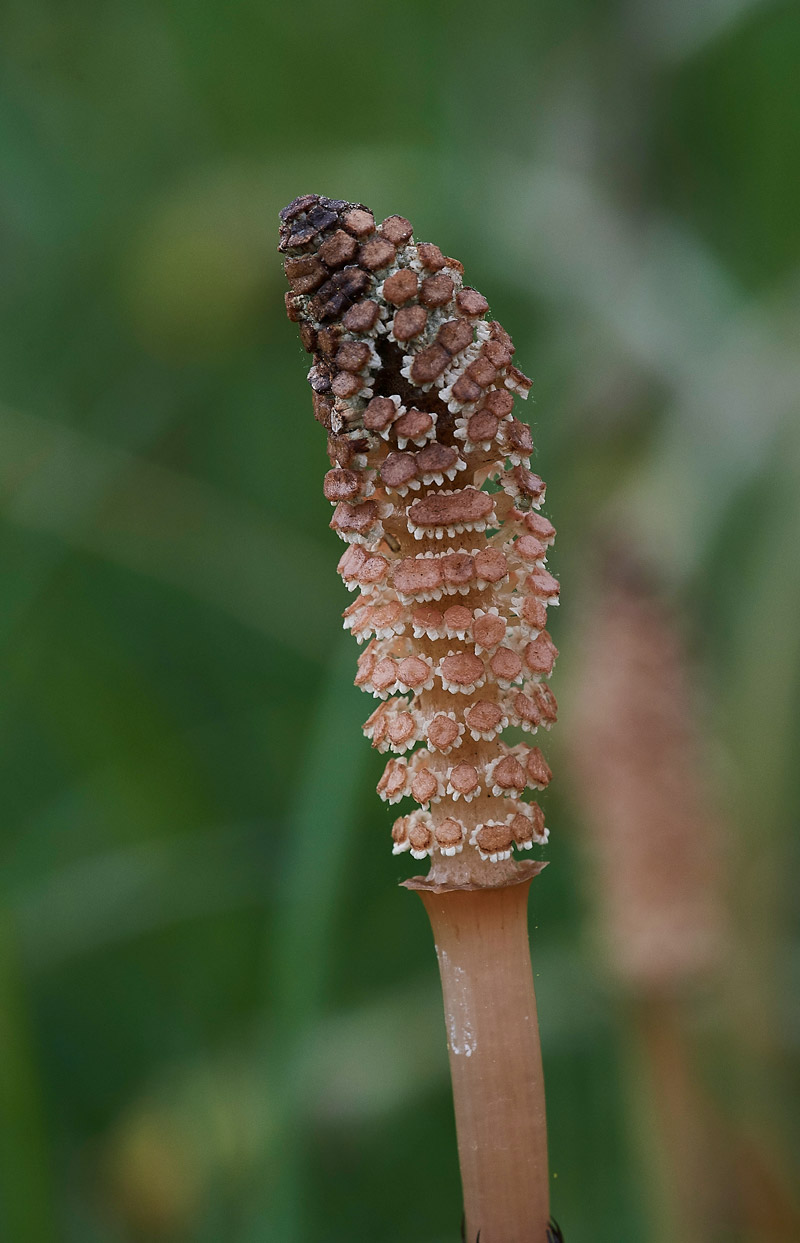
(436, 501)
(655, 846)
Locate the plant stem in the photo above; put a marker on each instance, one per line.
(681, 1163)
(481, 937)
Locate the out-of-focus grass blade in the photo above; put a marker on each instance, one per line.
(310, 890)
(170, 527)
(683, 28)
(123, 894)
(27, 1212)
(758, 721)
(24, 439)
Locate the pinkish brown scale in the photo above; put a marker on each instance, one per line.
(426, 617)
(374, 570)
(462, 669)
(459, 568)
(361, 317)
(527, 483)
(525, 828)
(509, 774)
(379, 414)
(491, 565)
(520, 379)
(489, 630)
(424, 786)
(505, 664)
(482, 372)
(464, 779)
(397, 229)
(435, 458)
(499, 355)
(466, 391)
(354, 518)
(492, 838)
(304, 274)
(498, 333)
(338, 249)
(436, 290)
(429, 364)
(341, 485)
(546, 702)
(394, 778)
(537, 768)
(442, 732)
(400, 287)
(409, 322)
(366, 663)
(449, 833)
(455, 335)
(417, 574)
(352, 355)
(413, 423)
(457, 618)
(499, 403)
(400, 831)
(359, 222)
(529, 548)
(482, 427)
(484, 717)
(518, 437)
(376, 254)
(430, 256)
(345, 384)
(420, 837)
(384, 674)
(384, 615)
(358, 606)
(526, 709)
(401, 728)
(444, 510)
(398, 469)
(328, 340)
(542, 584)
(534, 613)
(470, 302)
(352, 561)
(537, 525)
(540, 654)
(413, 671)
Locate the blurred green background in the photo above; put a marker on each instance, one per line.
(220, 1018)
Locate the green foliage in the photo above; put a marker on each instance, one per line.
(219, 1014)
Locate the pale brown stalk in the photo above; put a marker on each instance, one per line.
(656, 852)
(481, 940)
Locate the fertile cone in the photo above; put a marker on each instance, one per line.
(435, 498)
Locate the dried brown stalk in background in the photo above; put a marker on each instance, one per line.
(655, 848)
(436, 500)
(653, 835)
